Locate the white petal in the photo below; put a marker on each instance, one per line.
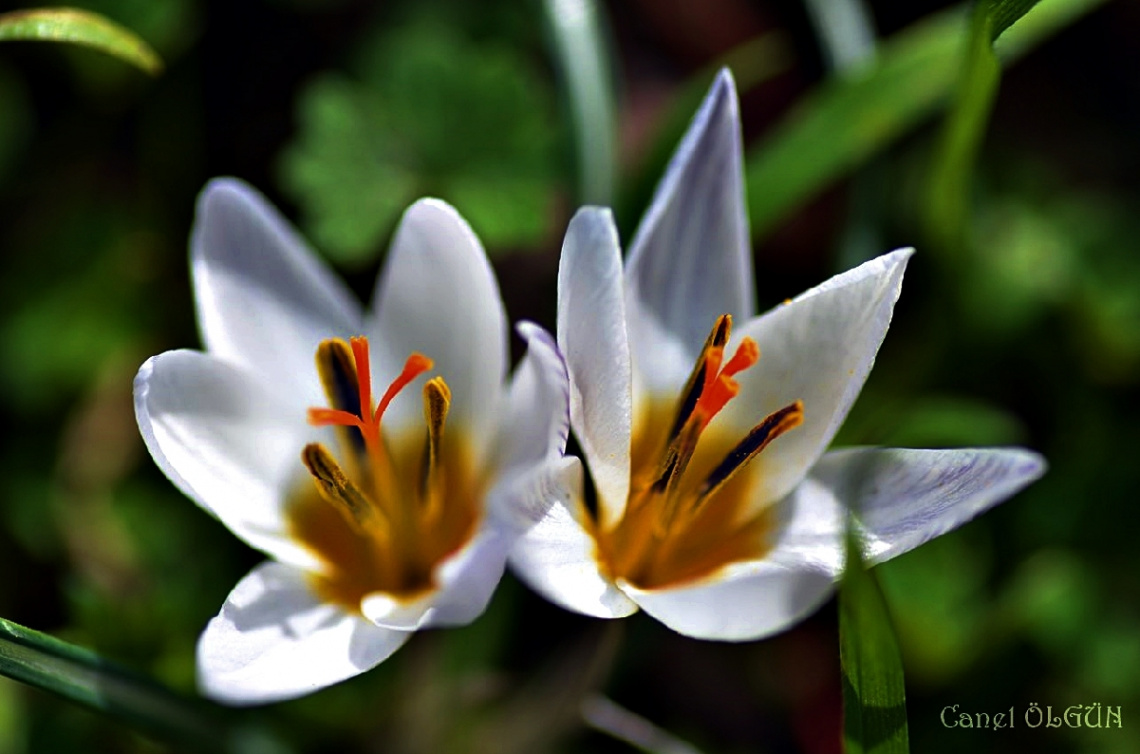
(817, 348)
(537, 420)
(274, 639)
(519, 500)
(227, 440)
(906, 497)
(691, 260)
(264, 299)
(466, 580)
(438, 296)
(557, 558)
(754, 599)
(592, 337)
(399, 615)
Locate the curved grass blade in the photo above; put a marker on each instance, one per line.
(948, 199)
(82, 28)
(874, 696)
(1004, 13)
(580, 52)
(848, 119)
(86, 678)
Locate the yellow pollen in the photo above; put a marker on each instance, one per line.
(690, 509)
(398, 505)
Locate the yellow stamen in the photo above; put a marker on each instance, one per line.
(386, 511)
(336, 488)
(437, 401)
(690, 511)
(761, 435)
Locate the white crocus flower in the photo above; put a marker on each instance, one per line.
(386, 501)
(718, 510)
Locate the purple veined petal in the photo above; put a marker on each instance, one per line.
(530, 469)
(817, 348)
(593, 339)
(228, 441)
(691, 259)
(557, 557)
(264, 300)
(753, 599)
(437, 295)
(536, 423)
(274, 640)
(905, 497)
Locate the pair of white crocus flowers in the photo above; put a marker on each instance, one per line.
(390, 470)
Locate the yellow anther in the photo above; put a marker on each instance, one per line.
(336, 488)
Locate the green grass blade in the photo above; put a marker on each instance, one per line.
(874, 696)
(850, 118)
(82, 28)
(582, 57)
(948, 196)
(948, 199)
(1004, 13)
(86, 678)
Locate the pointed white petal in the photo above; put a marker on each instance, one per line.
(274, 639)
(228, 441)
(592, 337)
(754, 599)
(468, 578)
(817, 348)
(691, 260)
(438, 296)
(557, 558)
(264, 299)
(906, 497)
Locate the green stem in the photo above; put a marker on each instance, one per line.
(84, 677)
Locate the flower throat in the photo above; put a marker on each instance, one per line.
(687, 514)
(399, 504)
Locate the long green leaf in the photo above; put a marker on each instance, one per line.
(86, 678)
(850, 118)
(1004, 13)
(948, 199)
(874, 696)
(583, 60)
(948, 194)
(82, 28)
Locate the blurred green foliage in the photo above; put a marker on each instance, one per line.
(1028, 334)
(433, 113)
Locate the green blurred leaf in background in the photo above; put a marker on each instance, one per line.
(847, 119)
(435, 114)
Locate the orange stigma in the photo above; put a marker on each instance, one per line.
(690, 511)
(720, 387)
(368, 420)
(389, 507)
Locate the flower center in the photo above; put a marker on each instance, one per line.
(399, 503)
(690, 511)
